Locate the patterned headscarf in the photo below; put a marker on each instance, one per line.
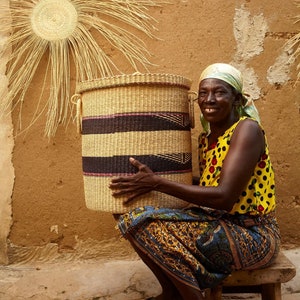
(233, 77)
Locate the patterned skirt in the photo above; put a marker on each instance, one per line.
(201, 246)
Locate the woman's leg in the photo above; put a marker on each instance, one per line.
(171, 286)
(169, 291)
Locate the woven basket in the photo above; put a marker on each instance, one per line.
(145, 116)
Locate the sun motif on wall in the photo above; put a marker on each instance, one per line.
(293, 44)
(66, 30)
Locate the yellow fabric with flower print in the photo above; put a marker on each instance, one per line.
(259, 195)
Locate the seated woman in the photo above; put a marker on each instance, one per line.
(230, 223)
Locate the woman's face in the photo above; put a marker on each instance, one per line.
(216, 99)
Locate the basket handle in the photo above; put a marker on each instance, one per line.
(192, 97)
(76, 100)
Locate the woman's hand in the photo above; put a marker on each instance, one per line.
(135, 185)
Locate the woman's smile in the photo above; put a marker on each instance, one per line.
(210, 109)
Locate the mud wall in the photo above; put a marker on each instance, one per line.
(6, 148)
(48, 205)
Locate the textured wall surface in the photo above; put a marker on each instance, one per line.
(48, 203)
(6, 148)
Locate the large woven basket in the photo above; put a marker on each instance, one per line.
(145, 116)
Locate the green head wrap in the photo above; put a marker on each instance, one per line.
(233, 77)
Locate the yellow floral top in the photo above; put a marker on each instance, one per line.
(259, 194)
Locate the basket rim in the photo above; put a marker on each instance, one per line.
(134, 79)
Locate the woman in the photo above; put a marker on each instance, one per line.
(230, 224)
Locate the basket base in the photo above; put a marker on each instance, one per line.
(102, 199)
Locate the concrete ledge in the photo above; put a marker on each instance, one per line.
(101, 280)
(120, 280)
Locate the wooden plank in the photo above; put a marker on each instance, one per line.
(271, 291)
(265, 281)
(282, 270)
(215, 293)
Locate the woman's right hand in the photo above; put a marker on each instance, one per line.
(134, 185)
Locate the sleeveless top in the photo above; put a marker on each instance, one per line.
(259, 195)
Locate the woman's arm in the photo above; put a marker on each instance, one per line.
(247, 145)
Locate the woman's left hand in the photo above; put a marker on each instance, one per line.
(135, 185)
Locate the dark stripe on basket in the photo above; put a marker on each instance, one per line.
(118, 165)
(135, 122)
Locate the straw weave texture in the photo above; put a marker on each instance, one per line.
(145, 116)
